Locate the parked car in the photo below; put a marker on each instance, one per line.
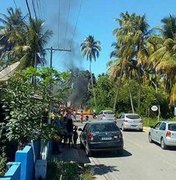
(101, 135)
(130, 121)
(164, 133)
(106, 114)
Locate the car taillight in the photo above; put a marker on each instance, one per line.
(168, 134)
(90, 136)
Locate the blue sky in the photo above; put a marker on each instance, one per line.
(72, 20)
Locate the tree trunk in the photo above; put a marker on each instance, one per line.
(118, 89)
(131, 99)
(94, 95)
(139, 94)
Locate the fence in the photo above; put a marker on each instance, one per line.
(23, 167)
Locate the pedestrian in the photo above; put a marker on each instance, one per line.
(64, 130)
(87, 118)
(69, 127)
(81, 116)
(75, 135)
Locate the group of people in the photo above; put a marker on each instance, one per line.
(68, 132)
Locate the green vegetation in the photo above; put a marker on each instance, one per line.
(67, 171)
(25, 103)
(3, 161)
(141, 73)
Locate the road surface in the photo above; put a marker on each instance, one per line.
(141, 160)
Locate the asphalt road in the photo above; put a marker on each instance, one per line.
(140, 161)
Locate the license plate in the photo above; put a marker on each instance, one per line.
(106, 138)
(133, 125)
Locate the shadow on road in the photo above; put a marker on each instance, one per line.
(101, 169)
(168, 148)
(111, 154)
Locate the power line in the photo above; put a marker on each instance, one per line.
(76, 23)
(28, 9)
(15, 4)
(67, 20)
(33, 6)
(51, 49)
(58, 22)
(38, 7)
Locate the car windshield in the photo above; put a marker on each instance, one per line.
(104, 127)
(133, 116)
(172, 127)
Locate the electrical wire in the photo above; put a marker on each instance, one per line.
(58, 22)
(33, 6)
(38, 8)
(15, 4)
(67, 20)
(27, 4)
(79, 11)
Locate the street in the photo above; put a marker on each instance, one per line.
(140, 161)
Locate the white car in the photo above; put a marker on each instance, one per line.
(106, 115)
(164, 133)
(130, 121)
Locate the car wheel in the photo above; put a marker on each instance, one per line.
(163, 145)
(88, 152)
(150, 138)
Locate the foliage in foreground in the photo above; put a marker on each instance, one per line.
(26, 98)
(67, 171)
(3, 161)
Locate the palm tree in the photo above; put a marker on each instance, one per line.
(164, 58)
(91, 48)
(11, 33)
(33, 50)
(23, 41)
(131, 46)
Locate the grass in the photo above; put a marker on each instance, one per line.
(152, 121)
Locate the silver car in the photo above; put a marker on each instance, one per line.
(106, 115)
(130, 121)
(164, 133)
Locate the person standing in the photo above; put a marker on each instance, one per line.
(75, 135)
(69, 127)
(81, 116)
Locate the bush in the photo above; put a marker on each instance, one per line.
(67, 171)
(3, 161)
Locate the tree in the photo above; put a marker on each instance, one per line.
(35, 40)
(23, 41)
(105, 92)
(25, 103)
(91, 48)
(163, 58)
(130, 48)
(11, 33)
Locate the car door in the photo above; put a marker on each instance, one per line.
(161, 131)
(83, 134)
(120, 120)
(155, 131)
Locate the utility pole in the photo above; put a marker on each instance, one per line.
(51, 49)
